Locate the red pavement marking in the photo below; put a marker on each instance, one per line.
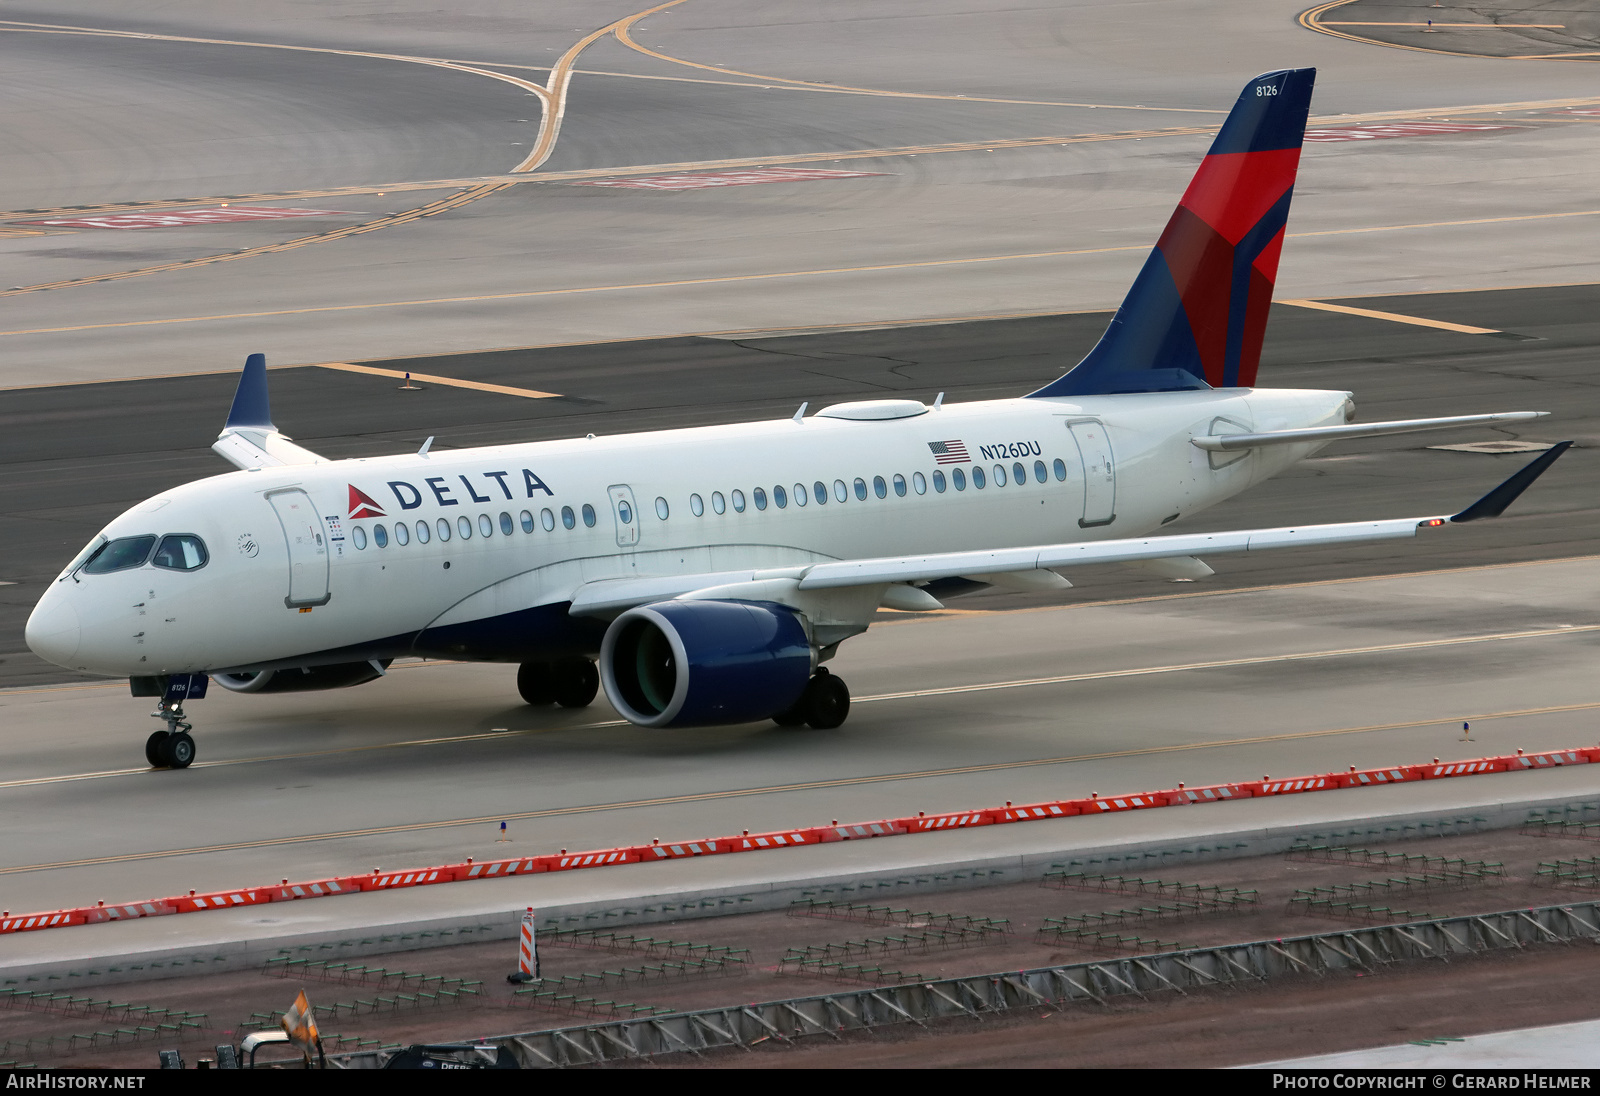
(729, 178)
(1399, 129)
(177, 217)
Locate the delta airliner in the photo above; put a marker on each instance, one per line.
(704, 576)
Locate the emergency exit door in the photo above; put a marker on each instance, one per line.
(625, 513)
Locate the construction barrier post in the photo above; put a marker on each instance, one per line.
(527, 952)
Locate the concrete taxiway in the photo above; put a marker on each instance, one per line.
(951, 713)
(1021, 161)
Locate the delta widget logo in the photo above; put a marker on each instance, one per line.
(362, 505)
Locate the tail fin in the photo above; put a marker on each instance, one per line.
(1197, 312)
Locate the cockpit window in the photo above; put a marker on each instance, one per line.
(119, 555)
(83, 557)
(181, 552)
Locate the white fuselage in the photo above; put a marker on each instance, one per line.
(297, 576)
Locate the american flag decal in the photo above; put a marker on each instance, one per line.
(949, 452)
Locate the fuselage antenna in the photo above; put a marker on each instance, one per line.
(938, 401)
(801, 414)
(425, 446)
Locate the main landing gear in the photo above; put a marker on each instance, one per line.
(569, 682)
(823, 705)
(172, 748)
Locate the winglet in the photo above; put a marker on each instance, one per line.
(1495, 502)
(250, 403)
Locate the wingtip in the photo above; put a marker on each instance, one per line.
(251, 405)
(1496, 501)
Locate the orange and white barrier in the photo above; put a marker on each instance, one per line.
(788, 839)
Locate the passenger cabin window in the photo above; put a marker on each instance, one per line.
(548, 520)
(624, 512)
(840, 491)
(899, 485)
(718, 503)
(1038, 471)
(861, 489)
(919, 483)
(527, 521)
(999, 475)
(697, 505)
(422, 532)
(567, 518)
(380, 536)
(959, 478)
(819, 491)
(505, 523)
(799, 494)
(938, 481)
(759, 496)
(1060, 469)
(444, 529)
(662, 510)
(180, 552)
(485, 526)
(358, 537)
(464, 527)
(1019, 474)
(738, 501)
(588, 515)
(402, 535)
(781, 497)
(119, 555)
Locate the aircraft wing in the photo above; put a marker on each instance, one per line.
(952, 564)
(610, 596)
(248, 438)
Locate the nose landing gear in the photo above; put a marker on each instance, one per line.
(172, 748)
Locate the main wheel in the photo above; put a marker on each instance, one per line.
(791, 717)
(153, 747)
(177, 751)
(826, 701)
(536, 683)
(576, 681)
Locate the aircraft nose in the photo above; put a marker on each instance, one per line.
(53, 631)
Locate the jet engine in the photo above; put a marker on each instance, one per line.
(308, 680)
(699, 663)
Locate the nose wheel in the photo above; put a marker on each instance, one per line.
(172, 748)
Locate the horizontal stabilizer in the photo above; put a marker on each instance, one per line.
(1224, 443)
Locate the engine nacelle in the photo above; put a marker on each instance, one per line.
(311, 679)
(700, 663)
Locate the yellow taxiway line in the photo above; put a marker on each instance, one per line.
(1393, 317)
(430, 378)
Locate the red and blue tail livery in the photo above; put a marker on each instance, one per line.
(1196, 314)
